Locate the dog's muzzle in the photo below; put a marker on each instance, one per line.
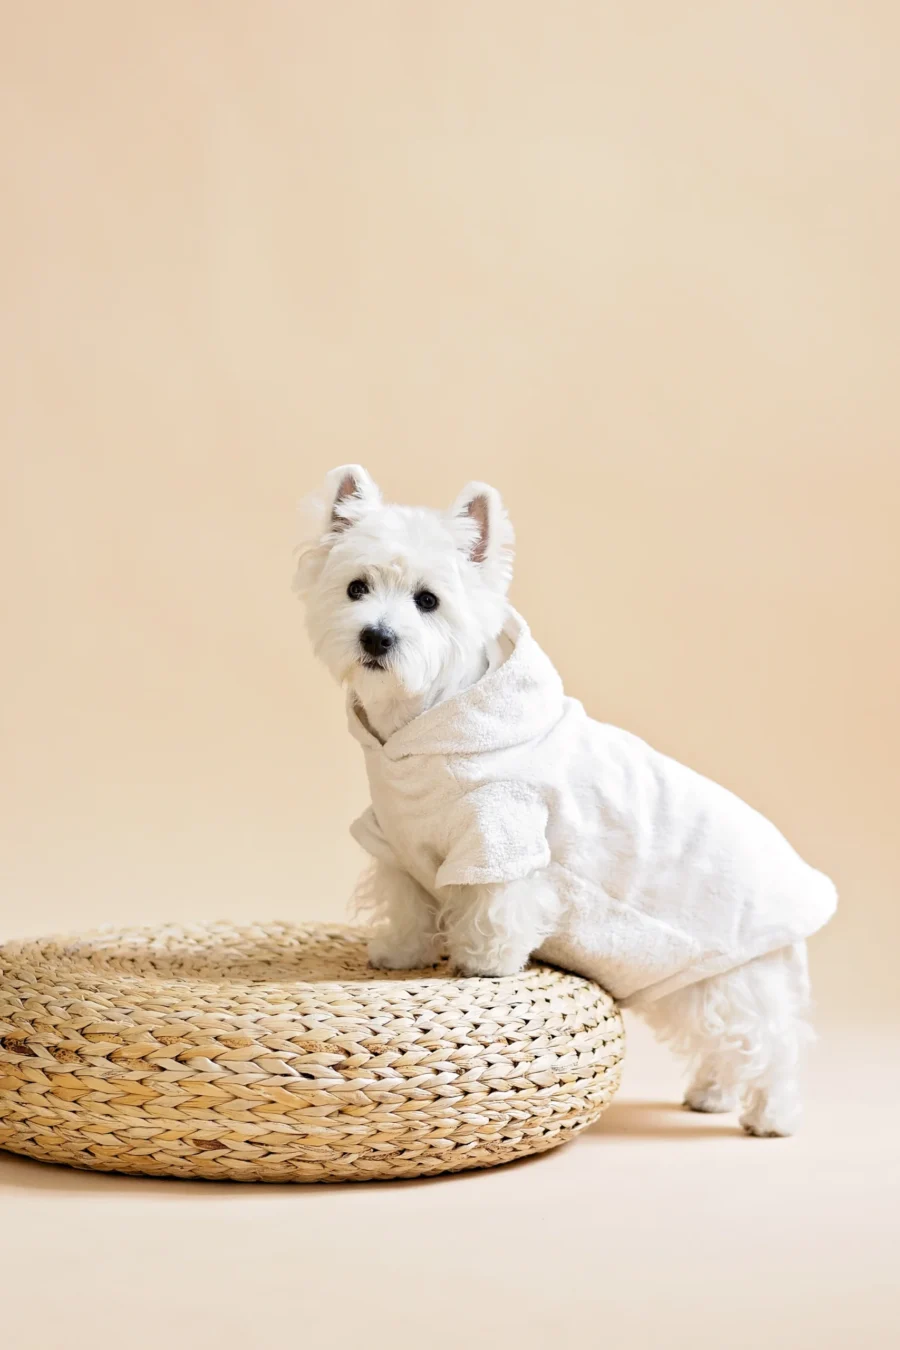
(377, 643)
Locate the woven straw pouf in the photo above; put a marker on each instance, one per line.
(273, 1053)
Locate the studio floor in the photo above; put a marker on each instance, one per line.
(656, 1228)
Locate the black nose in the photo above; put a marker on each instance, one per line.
(377, 641)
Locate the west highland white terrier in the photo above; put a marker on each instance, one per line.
(504, 822)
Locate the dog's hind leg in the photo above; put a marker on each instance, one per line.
(743, 1033)
(707, 1091)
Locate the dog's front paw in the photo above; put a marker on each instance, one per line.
(490, 966)
(387, 953)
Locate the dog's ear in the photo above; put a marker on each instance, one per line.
(484, 533)
(351, 492)
(347, 494)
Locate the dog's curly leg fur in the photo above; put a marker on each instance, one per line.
(493, 930)
(406, 935)
(706, 1092)
(743, 1033)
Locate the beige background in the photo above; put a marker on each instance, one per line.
(637, 266)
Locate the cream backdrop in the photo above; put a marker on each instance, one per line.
(637, 265)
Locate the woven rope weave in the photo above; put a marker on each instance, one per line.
(273, 1053)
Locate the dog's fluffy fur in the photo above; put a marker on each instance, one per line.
(742, 1032)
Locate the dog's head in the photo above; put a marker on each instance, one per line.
(401, 599)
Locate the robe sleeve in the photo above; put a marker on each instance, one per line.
(498, 833)
(367, 833)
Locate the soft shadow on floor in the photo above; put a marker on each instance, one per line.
(660, 1120)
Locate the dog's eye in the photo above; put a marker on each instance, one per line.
(357, 589)
(426, 600)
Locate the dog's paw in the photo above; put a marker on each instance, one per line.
(770, 1120)
(767, 1128)
(386, 953)
(710, 1098)
(491, 968)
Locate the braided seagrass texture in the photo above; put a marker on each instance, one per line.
(273, 1053)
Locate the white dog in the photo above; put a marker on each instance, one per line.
(506, 822)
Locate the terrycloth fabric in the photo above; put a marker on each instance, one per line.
(665, 877)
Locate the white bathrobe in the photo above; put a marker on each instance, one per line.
(665, 878)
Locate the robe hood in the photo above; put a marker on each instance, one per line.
(517, 702)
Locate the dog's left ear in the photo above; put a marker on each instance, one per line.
(484, 532)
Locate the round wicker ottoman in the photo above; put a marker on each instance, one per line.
(273, 1053)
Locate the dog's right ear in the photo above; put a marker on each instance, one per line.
(351, 493)
(347, 494)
